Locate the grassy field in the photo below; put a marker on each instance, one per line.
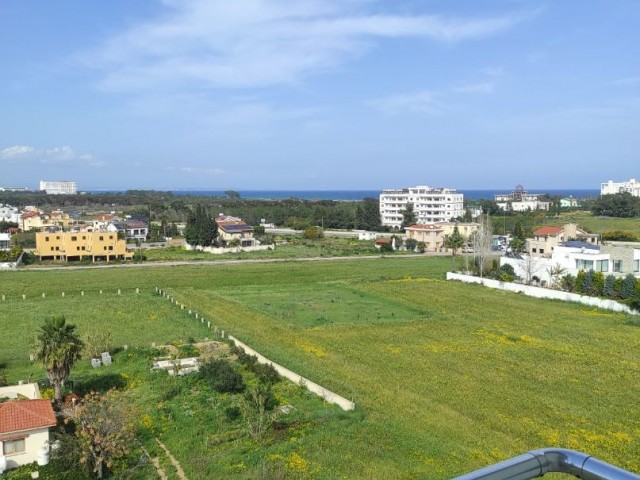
(447, 377)
(597, 224)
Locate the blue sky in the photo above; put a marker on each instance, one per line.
(327, 94)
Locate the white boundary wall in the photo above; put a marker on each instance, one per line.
(539, 292)
(220, 251)
(328, 395)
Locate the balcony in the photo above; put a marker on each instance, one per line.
(537, 463)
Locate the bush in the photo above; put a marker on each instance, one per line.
(568, 283)
(608, 289)
(232, 413)
(411, 244)
(628, 287)
(222, 376)
(422, 247)
(313, 233)
(386, 248)
(505, 273)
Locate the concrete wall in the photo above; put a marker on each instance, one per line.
(543, 293)
(328, 395)
(220, 251)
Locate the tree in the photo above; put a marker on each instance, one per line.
(201, 228)
(517, 245)
(454, 242)
(555, 273)
(411, 244)
(481, 242)
(232, 194)
(104, 425)
(313, 233)
(608, 289)
(58, 348)
(408, 216)
(619, 205)
(628, 288)
(518, 231)
(531, 267)
(368, 215)
(421, 246)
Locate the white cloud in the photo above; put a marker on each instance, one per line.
(257, 43)
(48, 156)
(417, 102)
(484, 87)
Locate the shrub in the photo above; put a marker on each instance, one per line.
(313, 233)
(628, 287)
(222, 376)
(568, 283)
(266, 373)
(232, 413)
(505, 273)
(411, 244)
(598, 284)
(587, 283)
(608, 288)
(386, 248)
(422, 247)
(579, 284)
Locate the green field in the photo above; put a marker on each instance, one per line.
(447, 377)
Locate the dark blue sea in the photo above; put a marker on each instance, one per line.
(346, 195)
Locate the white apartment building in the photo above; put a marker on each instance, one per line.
(64, 187)
(431, 205)
(611, 187)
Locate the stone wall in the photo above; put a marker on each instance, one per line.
(539, 292)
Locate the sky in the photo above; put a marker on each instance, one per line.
(326, 94)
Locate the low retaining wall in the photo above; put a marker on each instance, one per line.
(539, 292)
(328, 395)
(220, 251)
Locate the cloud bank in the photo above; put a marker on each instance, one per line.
(205, 44)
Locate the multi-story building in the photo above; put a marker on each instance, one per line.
(233, 229)
(430, 205)
(78, 245)
(611, 187)
(521, 201)
(64, 187)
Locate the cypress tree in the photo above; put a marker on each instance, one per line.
(628, 287)
(608, 289)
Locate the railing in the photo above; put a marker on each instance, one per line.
(537, 463)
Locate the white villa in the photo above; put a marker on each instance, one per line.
(430, 205)
(614, 258)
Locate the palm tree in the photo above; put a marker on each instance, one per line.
(58, 348)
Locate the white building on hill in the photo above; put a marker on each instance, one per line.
(611, 187)
(521, 201)
(430, 205)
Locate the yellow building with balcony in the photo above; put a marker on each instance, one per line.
(99, 246)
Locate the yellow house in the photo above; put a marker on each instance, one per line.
(78, 245)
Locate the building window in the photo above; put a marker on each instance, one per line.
(101, 238)
(110, 247)
(110, 237)
(617, 265)
(74, 239)
(582, 264)
(11, 447)
(602, 265)
(534, 250)
(636, 265)
(46, 239)
(542, 250)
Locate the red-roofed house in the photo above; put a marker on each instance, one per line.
(31, 220)
(546, 239)
(24, 430)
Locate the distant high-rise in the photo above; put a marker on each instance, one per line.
(64, 187)
(611, 187)
(430, 205)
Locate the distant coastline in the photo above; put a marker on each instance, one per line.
(354, 195)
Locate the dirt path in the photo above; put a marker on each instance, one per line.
(155, 461)
(173, 461)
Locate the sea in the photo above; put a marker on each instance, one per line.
(351, 195)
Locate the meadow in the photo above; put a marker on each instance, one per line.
(446, 377)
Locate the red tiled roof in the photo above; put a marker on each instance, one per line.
(548, 231)
(30, 214)
(19, 415)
